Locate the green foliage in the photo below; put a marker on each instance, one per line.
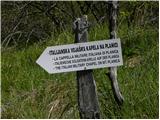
(28, 91)
(27, 22)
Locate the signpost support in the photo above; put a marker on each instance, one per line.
(87, 96)
(113, 70)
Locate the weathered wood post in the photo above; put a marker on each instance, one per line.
(87, 97)
(113, 70)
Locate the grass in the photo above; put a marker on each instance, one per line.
(28, 91)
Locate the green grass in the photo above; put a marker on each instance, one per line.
(28, 91)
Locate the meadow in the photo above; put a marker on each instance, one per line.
(28, 91)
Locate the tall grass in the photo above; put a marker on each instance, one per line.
(28, 91)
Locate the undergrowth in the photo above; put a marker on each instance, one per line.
(28, 91)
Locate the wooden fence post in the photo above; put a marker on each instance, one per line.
(113, 70)
(87, 97)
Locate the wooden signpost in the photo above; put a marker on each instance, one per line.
(87, 96)
(83, 56)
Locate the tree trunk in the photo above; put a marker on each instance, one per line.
(113, 70)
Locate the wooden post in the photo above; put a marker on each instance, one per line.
(113, 70)
(87, 97)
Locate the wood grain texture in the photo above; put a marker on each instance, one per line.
(87, 96)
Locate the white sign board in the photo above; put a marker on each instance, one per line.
(81, 56)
